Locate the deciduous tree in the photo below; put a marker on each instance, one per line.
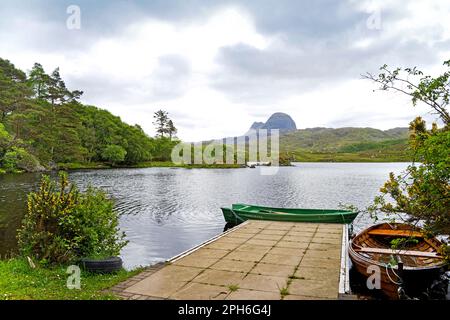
(422, 192)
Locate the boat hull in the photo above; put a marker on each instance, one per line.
(240, 213)
(414, 279)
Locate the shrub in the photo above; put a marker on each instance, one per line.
(63, 224)
(17, 159)
(422, 192)
(114, 154)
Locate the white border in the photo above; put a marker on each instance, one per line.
(344, 279)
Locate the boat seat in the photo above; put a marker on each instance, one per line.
(400, 252)
(394, 233)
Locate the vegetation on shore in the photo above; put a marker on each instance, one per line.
(347, 145)
(64, 225)
(422, 192)
(19, 281)
(148, 164)
(43, 124)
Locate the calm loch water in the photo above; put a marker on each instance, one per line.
(169, 210)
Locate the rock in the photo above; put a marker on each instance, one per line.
(281, 121)
(257, 125)
(278, 120)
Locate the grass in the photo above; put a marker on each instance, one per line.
(18, 281)
(233, 287)
(170, 164)
(80, 166)
(304, 156)
(284, 292)
(148, 164)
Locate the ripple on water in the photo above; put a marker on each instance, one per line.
(166, 211)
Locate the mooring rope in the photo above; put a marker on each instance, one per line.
(387, 272)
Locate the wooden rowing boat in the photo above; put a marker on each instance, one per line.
(413, 265)
(242, 212)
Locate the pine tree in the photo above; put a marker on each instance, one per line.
(171, 130)
(161, 119)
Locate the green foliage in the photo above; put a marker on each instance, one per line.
(63, 224)
(163, 149)
(95, 224)
(5, 140)
(423, 191)
(50, 88)
(284, 292)
(39, 114)
(20, 282)
(346, 144)
(17, 159)
(365, 146)
(14, 91)
(114, 154)
(164, 125)
(233, 287)
(401, 243)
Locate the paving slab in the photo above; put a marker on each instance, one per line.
(263, 282)
(281, 259)
(315, 273)
(245, 256)
(232, 265)
(245, 294)
(253, 248)
(219, 277)
(252, 261)
(273, 232)
(196, 261)
(200, 291)
(292, 244)
(270, 269)
(260, 242)
(210, 253)
(313, 288)
(260, 236)
(287, 251)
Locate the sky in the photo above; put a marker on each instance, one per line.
(218, 66)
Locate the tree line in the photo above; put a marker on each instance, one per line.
(43, 124)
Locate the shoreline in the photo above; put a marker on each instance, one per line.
(167, 164)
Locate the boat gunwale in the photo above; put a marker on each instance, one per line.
(351, 252)
(316, 212)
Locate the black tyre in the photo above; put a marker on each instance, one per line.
(107, 265)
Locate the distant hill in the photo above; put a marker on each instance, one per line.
(346, 144)
(336, 144)
(340, 139)
(340, 144)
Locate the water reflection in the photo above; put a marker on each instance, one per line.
(168, 210)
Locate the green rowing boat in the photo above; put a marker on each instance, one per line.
(240, 212)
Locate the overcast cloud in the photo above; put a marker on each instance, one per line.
(218, 66)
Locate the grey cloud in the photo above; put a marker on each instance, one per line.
(168, 81)
(264, 75)
(317, 45)
(170, 78)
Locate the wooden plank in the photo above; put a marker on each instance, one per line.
(393, 233)
(400, 252)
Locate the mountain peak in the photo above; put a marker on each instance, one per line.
(278, 120)
(257, 125)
